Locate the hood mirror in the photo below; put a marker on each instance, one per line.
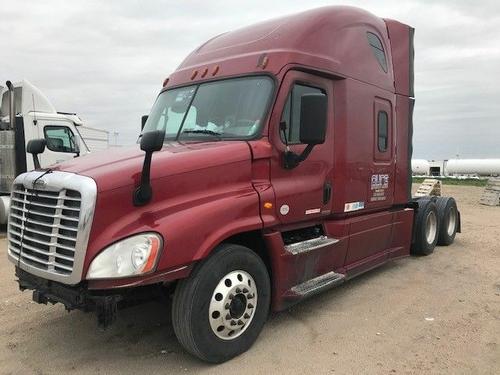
(150, 142)
(143, 121)
(35, 147)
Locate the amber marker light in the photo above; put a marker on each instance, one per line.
(153, 255)
(268, 205)
(204, 73)
(194, 74)
(165, 82)
(216, 70)
(264, 62)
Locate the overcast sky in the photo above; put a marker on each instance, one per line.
(106, 60)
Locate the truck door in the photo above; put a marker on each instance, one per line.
(303, 193)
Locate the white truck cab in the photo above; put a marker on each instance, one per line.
(26, 114)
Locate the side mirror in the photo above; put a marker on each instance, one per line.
(35, 147)
(143, 121)
(313, 110)
(313, 121)
(150, 142)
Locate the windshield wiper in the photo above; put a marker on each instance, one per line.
(203, 131)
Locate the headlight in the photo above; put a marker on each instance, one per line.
(132, 256)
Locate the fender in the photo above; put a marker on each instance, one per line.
(226, 204)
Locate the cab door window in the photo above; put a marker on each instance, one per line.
(60, 139)
(383, 131)
(291, 112)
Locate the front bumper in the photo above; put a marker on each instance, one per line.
(104, 303)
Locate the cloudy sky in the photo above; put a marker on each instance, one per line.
(106, 60)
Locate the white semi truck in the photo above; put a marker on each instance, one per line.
(26, 114)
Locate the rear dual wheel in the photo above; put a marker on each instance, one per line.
(426, 228)
(219, 311)
(448, 220)
(436, 223)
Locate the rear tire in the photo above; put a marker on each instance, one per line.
(426, 228)
(448, 220)
(219, 311)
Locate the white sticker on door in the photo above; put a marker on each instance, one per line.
(354, 206)
(313, 211)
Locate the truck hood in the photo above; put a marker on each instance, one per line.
(117, 167)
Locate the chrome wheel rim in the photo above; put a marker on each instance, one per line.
(452, 221)
(431, 227)
(233, 304)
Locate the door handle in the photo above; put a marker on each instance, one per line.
(327, 192)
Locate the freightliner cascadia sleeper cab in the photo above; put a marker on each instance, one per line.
(275, 163)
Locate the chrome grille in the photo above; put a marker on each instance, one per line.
(49, 223)
(44, 226)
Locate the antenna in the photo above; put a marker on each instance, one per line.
(35, 121)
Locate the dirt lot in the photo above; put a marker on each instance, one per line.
(433, 315)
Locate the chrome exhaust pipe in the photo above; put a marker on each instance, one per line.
(12, 114)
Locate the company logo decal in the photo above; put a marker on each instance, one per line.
(39, 184)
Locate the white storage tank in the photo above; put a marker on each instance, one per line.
(420, 167)
(480, 167)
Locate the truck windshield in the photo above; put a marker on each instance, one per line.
(227, 109)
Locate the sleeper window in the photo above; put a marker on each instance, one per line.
(291, 112)
(378, 50)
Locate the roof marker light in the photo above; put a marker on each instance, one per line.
(204, 73)
(194, 74)
(165, 82)
(216, 70)
(263, 60)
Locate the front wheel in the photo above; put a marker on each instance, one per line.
(219, 311)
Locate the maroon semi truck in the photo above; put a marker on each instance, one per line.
(275, 164)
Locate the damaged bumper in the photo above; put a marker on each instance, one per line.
(104, 303)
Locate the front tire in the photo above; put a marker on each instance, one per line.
(219, 311)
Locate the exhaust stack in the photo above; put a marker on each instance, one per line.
(12, 114)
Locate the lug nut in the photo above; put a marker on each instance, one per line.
(240, 323)
(233, 322)
(250, 306)
(227, 306)
(228, 317)
(231, 296)
(245, 290)
(238, 290)
(250, 296)
(246, 316)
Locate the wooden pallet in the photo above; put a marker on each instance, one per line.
(491, 193)
(429, 186)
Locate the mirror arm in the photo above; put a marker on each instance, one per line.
(144, 192)
(292, 160)
(36, 161)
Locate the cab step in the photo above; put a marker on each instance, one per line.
(318, 284)
(309, 245)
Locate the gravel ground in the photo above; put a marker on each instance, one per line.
(434, 315)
